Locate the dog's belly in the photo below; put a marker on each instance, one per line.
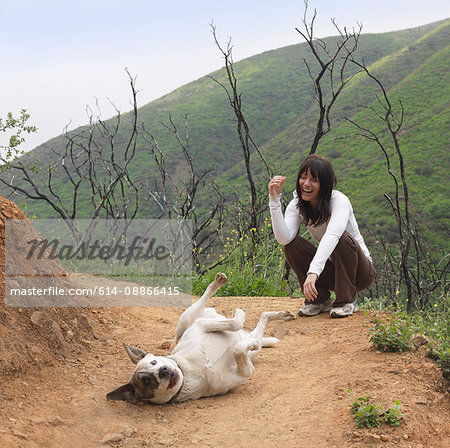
(213, 369)
(207, 348)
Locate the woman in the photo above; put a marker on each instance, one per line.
(341, 262)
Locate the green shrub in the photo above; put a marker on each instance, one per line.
(252, 269)
(435, 324)
(440, 351)
(391, 335)
(394, 333)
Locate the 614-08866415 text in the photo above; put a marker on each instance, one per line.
(140, 290)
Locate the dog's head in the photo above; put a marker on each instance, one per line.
(156, 379)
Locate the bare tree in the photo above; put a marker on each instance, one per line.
(253, 215)
(90, 164)
(177, 197)
(402, 214)
(332, 75)
(419, 272)
(95, 162)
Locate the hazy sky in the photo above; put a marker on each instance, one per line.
(58, 56)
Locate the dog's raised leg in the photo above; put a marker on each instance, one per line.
(258, 332)
(220, 324)
(242, 350)
(251, 345)
(196, 309)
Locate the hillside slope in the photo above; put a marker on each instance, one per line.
(280, 107)
(419, 77)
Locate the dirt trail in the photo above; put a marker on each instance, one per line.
(297, 397)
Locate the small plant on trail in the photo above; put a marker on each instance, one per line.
(372, 415)
(394, 415)
(392, 335)
(365, 413)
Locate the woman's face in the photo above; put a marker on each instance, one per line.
(309, 186)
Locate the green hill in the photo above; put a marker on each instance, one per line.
(281, 110)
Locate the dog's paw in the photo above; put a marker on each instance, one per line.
(253, 346)
(288, 316)
(239, 315)
(220, 279)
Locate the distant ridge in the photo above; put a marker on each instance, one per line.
(279, 104)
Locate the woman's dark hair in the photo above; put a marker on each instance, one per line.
(321, 169)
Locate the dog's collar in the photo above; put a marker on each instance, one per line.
(179, 390)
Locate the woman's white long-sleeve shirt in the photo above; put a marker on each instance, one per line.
(327, 234)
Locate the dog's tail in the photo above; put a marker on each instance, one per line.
(269, 341)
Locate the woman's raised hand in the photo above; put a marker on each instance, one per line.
(276, 184)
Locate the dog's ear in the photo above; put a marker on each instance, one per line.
(135, 354)
(125, 393)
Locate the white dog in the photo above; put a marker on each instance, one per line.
(212, 355)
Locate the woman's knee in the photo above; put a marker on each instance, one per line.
(299, 245)
(366, 276)
(299, 253)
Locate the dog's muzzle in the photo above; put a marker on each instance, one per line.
(171, 375)
(164, 373)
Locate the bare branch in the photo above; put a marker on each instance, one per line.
(248, 143)
(332, 72)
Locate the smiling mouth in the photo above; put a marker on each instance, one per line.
(173, 379)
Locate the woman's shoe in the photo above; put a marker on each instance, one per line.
(313, 309)
(345, 310)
